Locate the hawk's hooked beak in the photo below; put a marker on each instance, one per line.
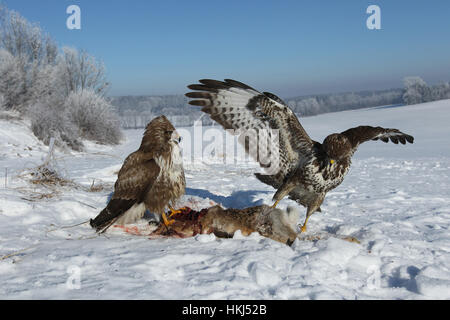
(176, 138)
(326, 162)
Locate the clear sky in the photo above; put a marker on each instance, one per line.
(290, 48)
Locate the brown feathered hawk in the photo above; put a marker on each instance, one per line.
(307, 169)
(150, 178)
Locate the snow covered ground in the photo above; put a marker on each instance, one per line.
(395, 200)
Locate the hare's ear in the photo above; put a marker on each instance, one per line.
(293, 215)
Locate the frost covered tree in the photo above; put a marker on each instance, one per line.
(29, 49)
(2, 102)
(24, 39)
(77, 70)
(94, 116)
(305, 107)
(310, 106)
(61, 92)
(416, 90)
(440, 91)
(11, 80)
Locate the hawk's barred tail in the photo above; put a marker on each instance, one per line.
(113, 210)
(102, 220)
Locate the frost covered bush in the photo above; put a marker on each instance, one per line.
(51, 120)
(61, 93)
(93, 116)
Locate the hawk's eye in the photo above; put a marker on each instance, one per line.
(332, 161)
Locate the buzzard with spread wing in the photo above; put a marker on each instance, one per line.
(307, 169)
(150, 178)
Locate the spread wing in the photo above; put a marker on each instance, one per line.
(136, 177)
(362, 134)
(237, 106)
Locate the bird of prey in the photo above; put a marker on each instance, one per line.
(307, 169)
(150, 178)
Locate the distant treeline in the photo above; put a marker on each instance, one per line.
(137, 111)
(317, 104)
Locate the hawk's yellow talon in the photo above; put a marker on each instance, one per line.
(174, 212)
(166, 221)
(303, 228)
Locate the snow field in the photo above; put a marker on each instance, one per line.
(395, 200)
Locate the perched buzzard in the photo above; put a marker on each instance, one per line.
(150, 178)
(307, 169)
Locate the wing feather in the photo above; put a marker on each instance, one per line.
(235, 105)
(136, 177)
(362, 134)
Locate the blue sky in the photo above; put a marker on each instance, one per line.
(290, 48)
